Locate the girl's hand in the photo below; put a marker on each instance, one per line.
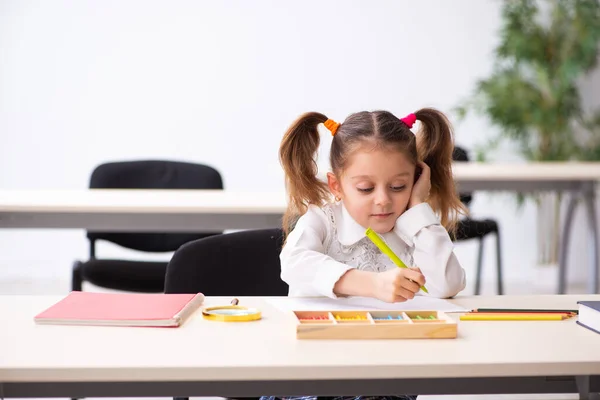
(420, 191)
(398, 284)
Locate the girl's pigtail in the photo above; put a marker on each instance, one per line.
(435, 144)
(297, 155)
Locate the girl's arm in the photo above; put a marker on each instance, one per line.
(433, 250)
(304, 263)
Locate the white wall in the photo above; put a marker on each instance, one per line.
(84, 82)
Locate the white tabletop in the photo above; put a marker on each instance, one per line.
(267, 349)
(534, 171)
(141, 201)
(246, 202)
(137, 210)
(141, 210)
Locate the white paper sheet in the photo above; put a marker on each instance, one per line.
(362, 303)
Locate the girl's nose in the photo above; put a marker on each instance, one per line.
(382, 198)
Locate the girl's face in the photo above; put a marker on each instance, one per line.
(375, 187)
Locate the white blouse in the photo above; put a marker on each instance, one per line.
(326, 242)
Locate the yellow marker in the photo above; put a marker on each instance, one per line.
(512, 317)
(371, 234)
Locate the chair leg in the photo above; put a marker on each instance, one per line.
(563, 251)
(76, 277)
(499, 282)
(479, 265)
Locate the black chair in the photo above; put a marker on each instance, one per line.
(141, 276)
(469, 228)
(244, 263)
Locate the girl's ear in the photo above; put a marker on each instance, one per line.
(334, 185)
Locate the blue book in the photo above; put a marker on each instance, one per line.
(589, 315)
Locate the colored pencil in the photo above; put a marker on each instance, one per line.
(512, 317)
(565, 314)
(385, 249)
(528, 310)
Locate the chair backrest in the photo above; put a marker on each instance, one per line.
(152, 174)
(460, 155)
(244, 263)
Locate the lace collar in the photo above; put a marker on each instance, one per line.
(348, 230)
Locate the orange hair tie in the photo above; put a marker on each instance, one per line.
(332, 126)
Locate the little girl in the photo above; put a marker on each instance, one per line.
(384, 177)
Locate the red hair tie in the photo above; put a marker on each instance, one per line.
(409, 120)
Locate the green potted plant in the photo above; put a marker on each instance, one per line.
(532, 96)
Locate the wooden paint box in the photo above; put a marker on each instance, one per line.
(374, 325)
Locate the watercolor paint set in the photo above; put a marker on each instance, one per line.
(374, 325)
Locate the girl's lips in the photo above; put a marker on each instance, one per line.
(381, 215)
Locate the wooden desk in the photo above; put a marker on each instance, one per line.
(204, 210)
(205, 358)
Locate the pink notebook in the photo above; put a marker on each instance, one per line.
(127, 309)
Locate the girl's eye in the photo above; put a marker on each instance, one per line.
(398, 188)
(365, 190)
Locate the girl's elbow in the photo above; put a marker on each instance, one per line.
(452, 290)
(453, 284)
(446, 292)
(287, 271)
(288, 276)
(455, 277)
(292, 272)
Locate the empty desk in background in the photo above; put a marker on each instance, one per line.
(208, 210)
(578, 179)
(141, 210)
